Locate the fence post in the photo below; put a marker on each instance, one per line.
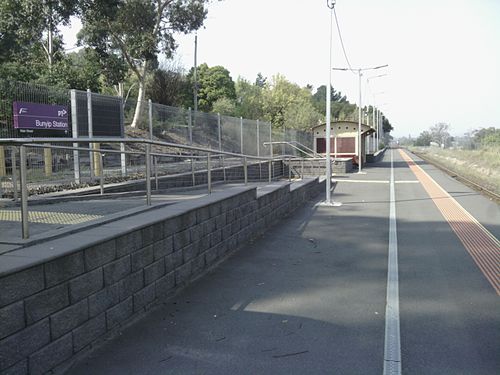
(209, 174)
(190, 126)
(13, 158)
(74, 134)
(221, 158)
(241, 135)
(97, 163)
(190, 135)
(24, 193)
(245, 169)
(90, 131)
(3, 169)
(258, 150)
(123, 156)
(148, 174)
(123, 159)
(150, 105)
(47, 160)
(271, 152)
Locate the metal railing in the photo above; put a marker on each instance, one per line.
(193, 154)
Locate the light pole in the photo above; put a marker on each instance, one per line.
(359, 71)
(375, 135)
(328, 167)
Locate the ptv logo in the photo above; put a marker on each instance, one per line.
(62, 113)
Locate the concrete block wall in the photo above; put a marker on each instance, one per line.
(56, 309)
(317, 167)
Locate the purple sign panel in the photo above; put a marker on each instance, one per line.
(40, 116)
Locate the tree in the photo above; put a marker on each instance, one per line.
(225, 106)
(29, 39)
(137, 31)
(424, 139)
(338, 101)
(487, 136)
(214, 83)
(250, 98)
(287, 105)
(167, 85)
(439, 133)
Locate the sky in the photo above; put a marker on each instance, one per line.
(443, 55)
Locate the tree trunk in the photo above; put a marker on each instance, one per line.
(140, 97)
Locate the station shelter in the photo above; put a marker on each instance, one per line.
(343, 139)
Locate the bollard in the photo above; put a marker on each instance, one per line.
(209, 174)
(289, 169)
(97, 163)
(302, 169)
(245, 169)
(3, 169)
(24, 193)
(47, 160)
(148, 174)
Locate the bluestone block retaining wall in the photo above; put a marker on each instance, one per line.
(59, 307)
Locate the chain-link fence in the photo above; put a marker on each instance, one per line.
(94, 115)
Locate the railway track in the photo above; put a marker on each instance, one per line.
(474, 185)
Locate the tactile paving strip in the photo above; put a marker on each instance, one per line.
(47, 217)
(482, 246)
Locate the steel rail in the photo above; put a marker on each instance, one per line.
(458, 176)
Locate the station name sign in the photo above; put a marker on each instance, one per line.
(40, 116)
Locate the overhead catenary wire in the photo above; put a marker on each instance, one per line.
(342, 43)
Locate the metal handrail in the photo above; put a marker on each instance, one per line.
(44, 143)
(292, 144)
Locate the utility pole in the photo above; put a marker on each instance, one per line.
(328, 166)
(360, 156)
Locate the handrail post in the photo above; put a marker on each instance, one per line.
(289, 169)
(24, 193)
(245, 169)
(148, 174)
(192, 171)
(209, 174)
(101, 174)
(155, 165)
(270, 170)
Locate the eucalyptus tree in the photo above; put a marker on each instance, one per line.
(137, 31)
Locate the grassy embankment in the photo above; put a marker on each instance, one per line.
(481, 166)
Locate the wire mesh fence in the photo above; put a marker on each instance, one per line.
(94, 115)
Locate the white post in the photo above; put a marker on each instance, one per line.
(328, 170)
(241, 135)
(90, 131)
(150, 105)
(359, 124)
(123, 156)
(74, 134)
(374, 138)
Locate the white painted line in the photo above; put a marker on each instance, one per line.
(364, 181)
(407, 182)
(392, 347)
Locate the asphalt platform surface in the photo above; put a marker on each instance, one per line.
(309, 296)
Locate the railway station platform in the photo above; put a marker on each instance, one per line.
(312, 292)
